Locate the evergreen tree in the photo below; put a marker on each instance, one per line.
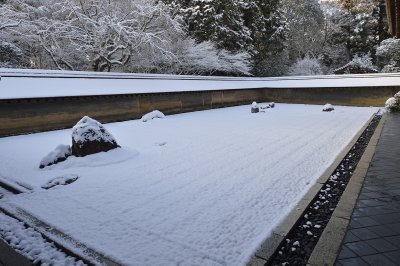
(305, 28)
(218, 21)
(257, 27)
(364, 25)
(267, 25)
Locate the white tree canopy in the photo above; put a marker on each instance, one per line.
(103, 35)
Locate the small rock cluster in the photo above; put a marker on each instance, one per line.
(88, 137)
(255, 108)
(393, 103)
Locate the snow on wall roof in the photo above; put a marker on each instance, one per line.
(23, 83)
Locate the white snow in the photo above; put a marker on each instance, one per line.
(254, 105)
(152, 115)
(59, 153)
(88, 129)
(22, 83)
(223, 182)
(31, 244)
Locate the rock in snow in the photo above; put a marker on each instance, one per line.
(61, 153)
(264, 107)
(152, 115)
(255, 108)
(328, 108)
(60, 181)
(89, 137)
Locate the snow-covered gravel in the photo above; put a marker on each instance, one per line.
(209, 195)
(31, 244)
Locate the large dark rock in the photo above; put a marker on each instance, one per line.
(89, 137)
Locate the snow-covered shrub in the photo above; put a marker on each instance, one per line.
(89, 136)
(152, 115)
(60, 181)
(391, 68)
(306, 67)
(328, 108)
(393, 103)
(61, 153)
(363, 64)
(255, 108)
(388, 55)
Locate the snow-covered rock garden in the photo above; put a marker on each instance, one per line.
(169, 204)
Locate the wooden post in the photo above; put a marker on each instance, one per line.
(393, 15)
(397, 6)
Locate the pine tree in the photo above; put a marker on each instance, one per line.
(218, 21)
(257, 27)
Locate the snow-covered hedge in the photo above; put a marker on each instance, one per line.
(61, 153)
(152, 115)
(393, 103)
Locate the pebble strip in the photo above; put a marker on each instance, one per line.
(301, 240)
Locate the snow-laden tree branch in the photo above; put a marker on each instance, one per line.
(102, 35)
